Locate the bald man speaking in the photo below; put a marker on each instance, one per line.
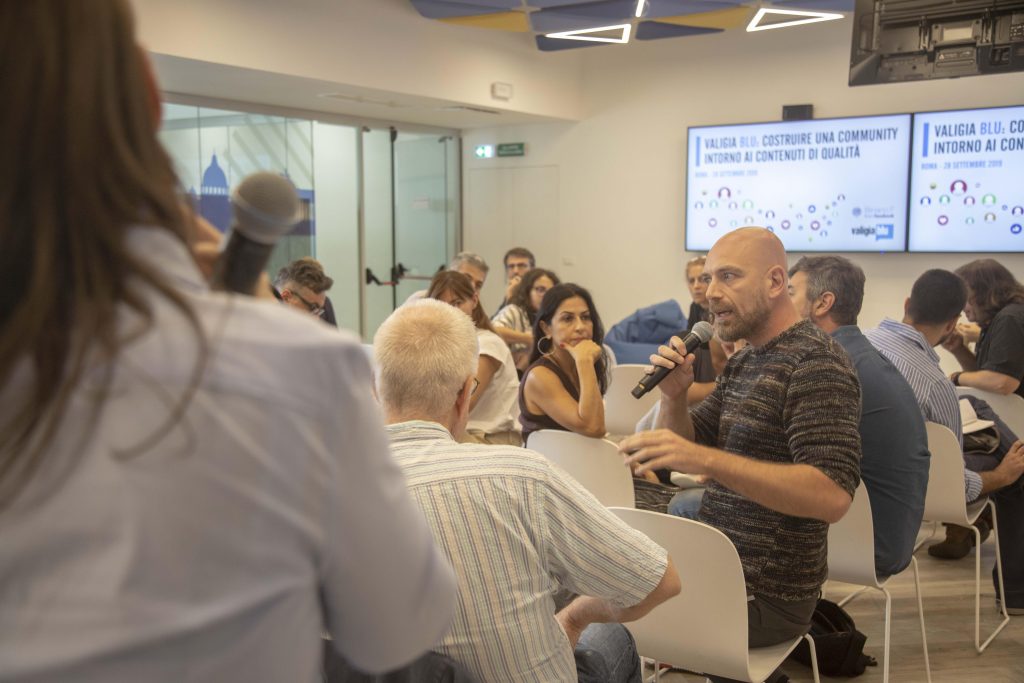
(777, 436)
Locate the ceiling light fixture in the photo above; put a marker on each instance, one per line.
(805, 18)
(581, 34)
(640, 6)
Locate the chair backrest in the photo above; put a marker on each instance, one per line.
(594, 463)
(851, 543)
(704, 628)
(621, 410)
(1010, 409)
(944, 501)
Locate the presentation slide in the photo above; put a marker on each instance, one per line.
(827, 185)
(967, 181)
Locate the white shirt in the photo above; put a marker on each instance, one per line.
(516, 529)
(497, 410)
(214, 554)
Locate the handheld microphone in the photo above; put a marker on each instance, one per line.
(264, 207)
(701, 334)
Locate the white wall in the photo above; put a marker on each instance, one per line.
(621, 196)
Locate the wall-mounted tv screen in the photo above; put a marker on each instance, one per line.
(967, 181)
(822, 185)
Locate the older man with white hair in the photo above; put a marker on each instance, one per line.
(515, 527)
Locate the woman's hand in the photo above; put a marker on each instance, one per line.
(970, 332)
(585, 351)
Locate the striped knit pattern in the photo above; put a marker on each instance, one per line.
(795, 399)
(516, 529)
(909, 351)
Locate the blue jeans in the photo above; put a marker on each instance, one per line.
(606, 653)
(686, 503)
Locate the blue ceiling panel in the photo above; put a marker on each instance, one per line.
(444, 9)
(673, 8)
(546, 44)
(812, 5)
(653, 30)
(587, 15)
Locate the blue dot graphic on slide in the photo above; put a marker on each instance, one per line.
(811, 208)
(712, 222)
(748, 219)
(724, 192)
(856, 211)
(733, 205)
(925, 201)
(969, 220)
(699, 205)
(733, 224)
(815, 225)
(988, 200)
(785, 225)
(943, 220)
(841, 198)
(944, 199)
(1015, 228)
(969, 200)
(958, 187)
(990, 218)
(1017, 211)
(799, 216)
(747, 204)
(769, 214)
(713, 204)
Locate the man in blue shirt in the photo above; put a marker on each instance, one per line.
(829, 291)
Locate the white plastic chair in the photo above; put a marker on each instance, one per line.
(594, 463)
(945, 502)
(851, 559)
(621, 410)
(704, 628)
(1010, 409)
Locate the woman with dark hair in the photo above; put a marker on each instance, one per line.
(995, 303)
(493, 408)
(184, 474)
(563, 388)
(514, 322)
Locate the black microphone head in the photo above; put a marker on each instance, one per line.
(265, 207)
(703, 331)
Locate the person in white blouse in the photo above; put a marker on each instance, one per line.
(494, 407)
(184, 474)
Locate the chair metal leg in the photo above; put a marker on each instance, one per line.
(814, 657)
(888, 623)
(978, 645)
(920, 614)
(852, 595)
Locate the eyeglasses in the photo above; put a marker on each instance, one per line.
(310, 306)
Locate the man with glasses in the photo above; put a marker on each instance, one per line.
(518, 260)
(304, 284)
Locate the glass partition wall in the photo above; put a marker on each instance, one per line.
(381, 206)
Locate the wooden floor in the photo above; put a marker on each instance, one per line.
(948, 593)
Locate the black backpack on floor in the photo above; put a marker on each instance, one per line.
(840, 646)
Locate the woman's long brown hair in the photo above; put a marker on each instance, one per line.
(459, 284)
(81, 163)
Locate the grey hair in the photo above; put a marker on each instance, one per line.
(425, 351)
(473, 259)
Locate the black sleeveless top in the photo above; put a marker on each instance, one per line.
(533, 422)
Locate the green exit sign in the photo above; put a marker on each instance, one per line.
(512, 149)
